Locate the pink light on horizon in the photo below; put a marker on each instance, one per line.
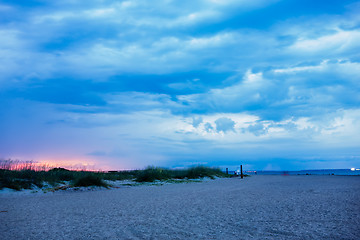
(47, 164)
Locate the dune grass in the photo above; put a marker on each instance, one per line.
(151, 174)
(29, 178)
(90, 180)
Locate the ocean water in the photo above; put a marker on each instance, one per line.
(339, 172)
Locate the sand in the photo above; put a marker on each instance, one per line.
(257, 207)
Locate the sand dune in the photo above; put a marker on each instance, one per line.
(258, 207)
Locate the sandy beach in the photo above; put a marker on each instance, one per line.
(257, 207)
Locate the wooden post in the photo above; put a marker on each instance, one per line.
(227, 170)
(242, 175)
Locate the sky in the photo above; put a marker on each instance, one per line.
(270, 84)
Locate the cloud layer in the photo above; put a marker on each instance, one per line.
(125, 84)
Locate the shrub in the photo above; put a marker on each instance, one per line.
(17, 180)
(59, 170)
(202, 171)
(89, 180)
(119, 175)
(150, 174)
(15, 184)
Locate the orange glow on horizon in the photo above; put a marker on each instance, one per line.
(76, 164)
(47, 164)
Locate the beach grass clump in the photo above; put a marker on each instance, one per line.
(60, 174)
(203, 171)
(150, 174)
(90, 180)
(13, 183)
(17, 180)
(119, 175)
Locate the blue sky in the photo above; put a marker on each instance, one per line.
(271, 84)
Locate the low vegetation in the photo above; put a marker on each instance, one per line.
(29, 178)
(151, 174)
(90, 180)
